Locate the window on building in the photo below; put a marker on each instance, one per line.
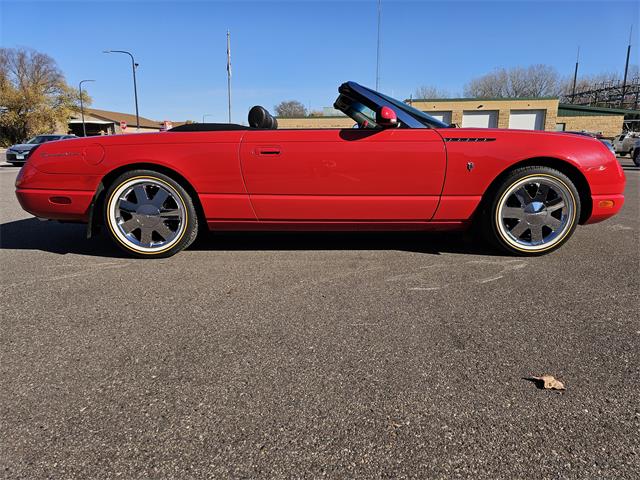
(561, 127)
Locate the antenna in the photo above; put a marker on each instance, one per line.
(575, 76)
(626, 69)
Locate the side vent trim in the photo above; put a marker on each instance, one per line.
(469, 139)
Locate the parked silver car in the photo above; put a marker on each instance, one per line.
(18, 154)
(624, 143)
(635, 152)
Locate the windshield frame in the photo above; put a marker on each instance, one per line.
(419, 115)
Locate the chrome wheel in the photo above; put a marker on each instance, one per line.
(535, 213)
(147, 215)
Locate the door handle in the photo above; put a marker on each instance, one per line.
(268, 150)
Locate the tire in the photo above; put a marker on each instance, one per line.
(636, 157)
(532, 211)
(149, 215)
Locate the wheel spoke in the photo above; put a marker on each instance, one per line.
(127, 206)
(542, 193)
(164, 231)
(145, 236)
(160, 197)
(523, 196)
(554, 205)
(141, 194)
(513, 212)
(170, 213)
(519, 229)
(536, 233)
(129, 225)
(553, 223)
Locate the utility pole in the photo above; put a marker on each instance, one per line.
(378, 47)
(229, 72)
(84, 127)
(575, 77)
(626, 69)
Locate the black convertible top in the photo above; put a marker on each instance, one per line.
(207, 127)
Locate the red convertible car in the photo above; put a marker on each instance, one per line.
(400, 169)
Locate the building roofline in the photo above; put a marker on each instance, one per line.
(477, 99)
(603, 110)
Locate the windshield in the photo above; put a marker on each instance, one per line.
(43, 139)
(414, 112)
(364, 116)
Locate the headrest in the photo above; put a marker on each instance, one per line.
(259, 117)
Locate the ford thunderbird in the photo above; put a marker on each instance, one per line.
(397, 169)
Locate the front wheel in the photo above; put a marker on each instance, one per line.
(533, 211)
(149, 215)
(636, 157)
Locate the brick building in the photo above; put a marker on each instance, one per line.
(522, 113)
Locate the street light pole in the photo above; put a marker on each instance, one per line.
(84, 127)
(134, 65)
(206, 115)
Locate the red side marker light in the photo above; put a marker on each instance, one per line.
(60, 200)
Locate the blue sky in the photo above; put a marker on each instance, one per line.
(303, 49)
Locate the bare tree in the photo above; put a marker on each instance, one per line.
(290, 108)
(34, 95)
(429, 91)
(534, 81)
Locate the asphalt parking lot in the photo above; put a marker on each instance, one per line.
(307, 355)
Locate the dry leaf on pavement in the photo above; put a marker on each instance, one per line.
(549, 382)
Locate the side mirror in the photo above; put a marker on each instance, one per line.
(386, 117)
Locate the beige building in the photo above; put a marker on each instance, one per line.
(608, 121)
(529, 114)
(316, 122)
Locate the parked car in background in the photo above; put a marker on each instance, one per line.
(609, 145)
(635, 152)
(18, 154)
(623, 144)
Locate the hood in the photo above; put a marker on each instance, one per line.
(23, 147)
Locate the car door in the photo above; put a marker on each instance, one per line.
(343, 174)
(627, 143)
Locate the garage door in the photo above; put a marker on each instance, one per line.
(443, 116)
(482, 119)
(527, 119)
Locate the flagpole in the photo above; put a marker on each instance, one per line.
(378, 48)
(229, 72)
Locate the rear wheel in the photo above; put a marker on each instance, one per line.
(149, 214)
(532, 211)
(635, 155)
